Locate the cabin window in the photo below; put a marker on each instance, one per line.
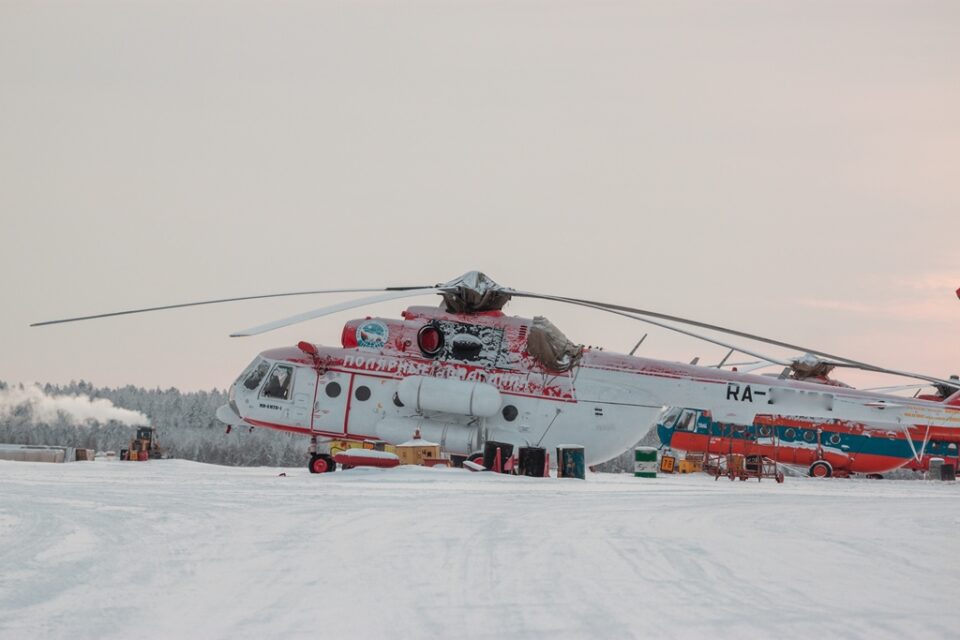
(809, 436)
(789, 434)
(278, 384)
(765, 431)
(835, 438)
(952, 449)
(256, 376)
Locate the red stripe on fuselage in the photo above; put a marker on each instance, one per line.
(307, 432)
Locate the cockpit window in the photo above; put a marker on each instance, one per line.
(687, 421)
(255, 376)
(278, 384)
(670, 417)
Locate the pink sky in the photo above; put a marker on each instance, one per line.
(789, 169)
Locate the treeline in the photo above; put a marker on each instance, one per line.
(186, 424)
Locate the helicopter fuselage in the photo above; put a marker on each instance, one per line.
(471, 378)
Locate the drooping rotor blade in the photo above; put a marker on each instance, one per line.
(205, 302)
(953, 384)
(638, 318)
(838, 360)
(325, 311)
(896, 387)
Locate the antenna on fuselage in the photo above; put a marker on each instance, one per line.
(639, 342)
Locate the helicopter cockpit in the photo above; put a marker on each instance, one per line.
(278, 376)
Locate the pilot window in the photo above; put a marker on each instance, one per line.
(278, 384)
(256, 376)
(687, 421)
(670, 417)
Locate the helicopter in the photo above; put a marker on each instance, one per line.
(465, 373)
(823, 446)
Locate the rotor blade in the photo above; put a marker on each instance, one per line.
(894, 372)
(203, 302)
(325, 311)
(754, 367)
(620, 309)
(698, 336)
(897, 387)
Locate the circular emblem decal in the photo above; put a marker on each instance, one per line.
(372, 334)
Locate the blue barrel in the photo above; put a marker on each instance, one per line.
(570, 461)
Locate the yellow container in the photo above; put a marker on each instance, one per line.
(690, 466)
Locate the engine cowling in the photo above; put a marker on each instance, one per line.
(449, 396)
(452, 437)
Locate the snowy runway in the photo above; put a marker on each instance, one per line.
(178, 549)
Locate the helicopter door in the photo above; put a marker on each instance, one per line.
(303, 392)
(330, 410)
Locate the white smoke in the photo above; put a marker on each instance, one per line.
(47, 408)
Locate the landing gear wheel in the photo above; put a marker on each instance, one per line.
(820, 469)
(321, 464)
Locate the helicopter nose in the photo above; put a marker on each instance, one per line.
(228, 414)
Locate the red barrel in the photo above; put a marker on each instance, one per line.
(143, 455)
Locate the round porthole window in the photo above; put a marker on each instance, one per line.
(510, 413)
(765, 431)
(835, 438)
(362, 393)
(430, 340)
(789, 434)
(333, 389)
(809, 436)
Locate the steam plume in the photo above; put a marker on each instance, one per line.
(47, 408)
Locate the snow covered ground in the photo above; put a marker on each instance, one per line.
(173, 549)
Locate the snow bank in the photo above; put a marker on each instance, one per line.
(172, 549)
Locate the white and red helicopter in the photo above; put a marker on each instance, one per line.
(465, 373)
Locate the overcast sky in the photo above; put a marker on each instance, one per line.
(791, 169)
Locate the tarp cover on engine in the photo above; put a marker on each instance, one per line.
(550, 347)
(472, 292)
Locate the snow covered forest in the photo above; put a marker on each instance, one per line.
(105, 419)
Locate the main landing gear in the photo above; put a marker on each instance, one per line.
(320, 462)
(820, 469)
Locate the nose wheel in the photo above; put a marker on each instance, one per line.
(321, 463)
